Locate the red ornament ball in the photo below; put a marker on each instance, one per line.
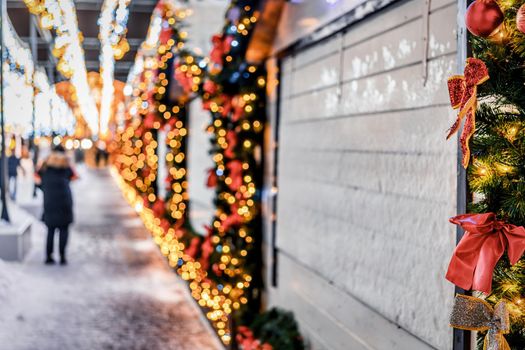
(520, 19)
(483, 17)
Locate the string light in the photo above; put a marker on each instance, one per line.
(112, 23)
(18, 55)
(61, 16)
(219, 274)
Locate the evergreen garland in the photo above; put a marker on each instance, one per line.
(496, 176)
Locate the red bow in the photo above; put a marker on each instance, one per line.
(235, 173)
(149, 121)
(463, 90)
(247, 341)
(206, 249)
(165, 225)
(194, 247)
(226, 105)
(210, 87)
(159, 207)
(165, 34)
(212, 178)
(238, 108)
(483, 244)
(221, 46)
(185, 80)
(232, 220)
(231, 140)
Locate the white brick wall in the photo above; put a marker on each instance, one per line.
(367, 183)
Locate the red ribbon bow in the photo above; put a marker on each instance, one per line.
(483, 244)
(463, 90)
(247, 341)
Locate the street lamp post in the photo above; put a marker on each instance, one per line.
(3, 172)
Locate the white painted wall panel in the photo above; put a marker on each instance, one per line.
(399, 131)
(199, 161)
(367, 183)
(302, 18)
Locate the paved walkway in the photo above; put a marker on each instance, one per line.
(116, 293)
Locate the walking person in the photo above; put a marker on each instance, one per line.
(13, 165)
(54, 176)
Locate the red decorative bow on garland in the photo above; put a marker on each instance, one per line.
(159, 208)
(246, 340)
(212, 178)
(463, 90)
(483, 244)
(193, 249)
(235, 173)
(206, 249)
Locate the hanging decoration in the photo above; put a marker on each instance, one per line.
(474, 314)
(223, 267)
(17, 55)
(218, 266)
(495, 180)
(273, 329)
(463, 90)
(112, 24)
(62, 18)
(483, 244)
(483, 17)
(520, 19)
(24, 81)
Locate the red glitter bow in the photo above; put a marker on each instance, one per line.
(463, 90)
(483, 244)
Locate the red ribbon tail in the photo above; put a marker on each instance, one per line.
(460, 273)
(468, 130)
(454, 128)
(516, 243)
(489, 255)
(463, 263)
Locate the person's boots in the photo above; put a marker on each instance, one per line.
(63, 260)
(50, 260)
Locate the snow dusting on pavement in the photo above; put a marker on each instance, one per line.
(116, 293)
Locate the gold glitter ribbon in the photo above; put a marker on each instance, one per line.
(474, 314)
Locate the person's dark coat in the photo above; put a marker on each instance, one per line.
(13, 162)
(56, 174)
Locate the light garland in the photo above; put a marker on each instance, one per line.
(17, 55)
(40, 80)
(19, 71)
(61, 16)
(222, 269)
(112, 22)
(107, 63)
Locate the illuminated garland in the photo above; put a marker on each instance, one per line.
(112, 23)
(234, 93)
(61, 16)
(222, 268)
(17, 56)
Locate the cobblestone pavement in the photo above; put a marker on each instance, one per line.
(116, 293)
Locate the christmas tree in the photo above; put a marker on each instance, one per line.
(496, 174)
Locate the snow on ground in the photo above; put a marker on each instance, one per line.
(116, 293)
